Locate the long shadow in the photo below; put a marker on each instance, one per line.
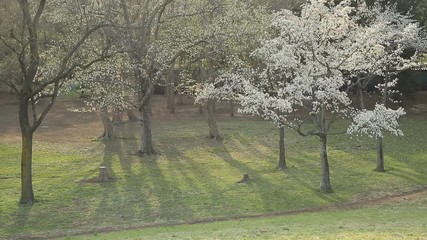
(253, 151)
(165, 200)
(145, 194)
(208, 186)
(21, 219)
(129, 144)
(311, 186)
(111, 147)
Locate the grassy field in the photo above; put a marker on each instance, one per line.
(405, 220)
(194, 179)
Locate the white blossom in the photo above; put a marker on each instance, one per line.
(374, 122)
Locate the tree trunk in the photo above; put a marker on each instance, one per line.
(131, 115)
(380, 155)
(325, 185)
(117, 117)
(180, 97)
(380, 152)
(170, 97)
(360, 96)
(27, 193)
(213, 128)
(146, 137)
(282, 159)
(108, 125)
(231, 108)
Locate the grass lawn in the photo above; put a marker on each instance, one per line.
(194, 179)
(405, 220)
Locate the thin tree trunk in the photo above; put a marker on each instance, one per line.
(231, 108)
(131, 115)
(325, 185)
(146, 137)
(170, 98)
(380, 151)
(213, 128)
(360, 96)
(380, 155)
(117, 117)
(108, 131)
(282, 156)
(180, 97)
(27, 193)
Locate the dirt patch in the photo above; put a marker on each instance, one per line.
(64, 126)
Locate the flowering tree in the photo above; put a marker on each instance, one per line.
(306, 68)
(45, 63)
(108, 88)
(153, 43)
(235, 31)
(396, 35)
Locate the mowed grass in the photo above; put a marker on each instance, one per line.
(192, 178)
(403, 220)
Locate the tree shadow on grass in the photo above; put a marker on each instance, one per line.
(198, 189)
(271, 187)
(145, 194)
(403, 174)
(21, 220)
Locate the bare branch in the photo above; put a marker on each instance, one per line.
(39, 12)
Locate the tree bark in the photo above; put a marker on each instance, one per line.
(170, 97)
(231, 108)
(213, 128)
(282, 157)
(146, 137)
(108, 125)
(170, 93)
(380, 151)
(117, 117)
(380, 155)
(180, 97)
(27, 193)
(325, 185)
(131, 115)
(360, 96)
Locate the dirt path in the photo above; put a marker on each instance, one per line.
(391, 199)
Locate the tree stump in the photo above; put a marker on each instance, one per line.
(103, 177)
(244, 179)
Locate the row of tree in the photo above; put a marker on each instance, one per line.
(304, 72)
(272, 64)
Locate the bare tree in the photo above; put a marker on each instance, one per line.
(43, 68)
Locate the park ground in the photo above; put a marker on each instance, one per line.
(192, 179)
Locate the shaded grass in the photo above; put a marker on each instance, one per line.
(193, 178)
(405, 220)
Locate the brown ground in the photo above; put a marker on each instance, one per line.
(63, 126)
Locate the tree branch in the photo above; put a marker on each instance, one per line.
(39, 12)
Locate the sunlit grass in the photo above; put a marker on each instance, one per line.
(193, 178)
(404, 220)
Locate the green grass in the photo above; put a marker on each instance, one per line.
(404, 220)
(193, 178)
